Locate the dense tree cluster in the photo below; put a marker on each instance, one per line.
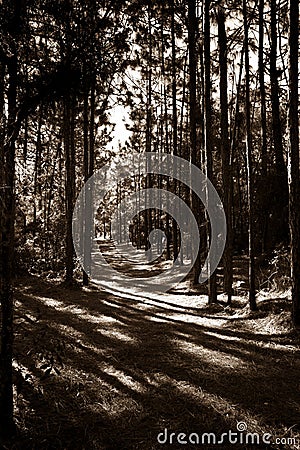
(215, 83)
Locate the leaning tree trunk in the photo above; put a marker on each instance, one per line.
(294, 176)
(252, 292)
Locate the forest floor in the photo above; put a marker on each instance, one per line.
(100, 370)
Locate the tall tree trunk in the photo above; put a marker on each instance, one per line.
(37, 171)
(294, 177)
(262, 89)
(148, 212)
(252, 292)
(166, 132)
(225, 153)
(263, 117)
(70, 187)
(280, 194)
(276, 121)
(212, 282)
(7, 256)
(174, 124)
(234, 133)
(89, 163)
(192, 32)
(85, 278)
(92, 127)
(2, 133)
(182, 151)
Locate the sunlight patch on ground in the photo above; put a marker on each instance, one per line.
(69, 331)
(108, 303)
(57, 304)
(83, 313)
(174, 300)
(184, 317)
(223, 336)
(209, 355)
(117, 335)
(22, 371)
(198, 395)
(158, 319)
(127, 380)
(83, 344)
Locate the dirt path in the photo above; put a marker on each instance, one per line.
(102, 370)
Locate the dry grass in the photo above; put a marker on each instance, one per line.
(101, 371)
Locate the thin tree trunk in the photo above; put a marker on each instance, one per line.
(85, 278)
(225, 153)
(294, 178)
(212, 282)
(174, 124)
(89, 162)
(37, 171)
(262, 89)
(92, 127)
(280, 192)
(252, 291)
(192, 32)
(166, 141)
(263, 116)
(276, 121)
(148, 213)
(2, 132)
(70, 188)
(7, 257)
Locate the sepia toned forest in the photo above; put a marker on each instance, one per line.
(88, 362)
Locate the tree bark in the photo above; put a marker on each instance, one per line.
(294, 176)
(212, 282)
(192, 32)
(225, 154)
(174, 124)
(85, 277)
(276, 121)
(70, 188)
(7, 258)
(252, 290)
(262, 89)
(37, 171)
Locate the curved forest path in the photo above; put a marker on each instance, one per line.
(102, 370)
